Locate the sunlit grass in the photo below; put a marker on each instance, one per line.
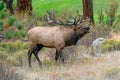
(41, 6)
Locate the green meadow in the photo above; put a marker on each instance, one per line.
(41, 6)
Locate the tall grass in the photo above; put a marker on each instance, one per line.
(7, 73)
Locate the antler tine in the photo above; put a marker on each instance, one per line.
(48, 17)
(80, 18)
(74, 23)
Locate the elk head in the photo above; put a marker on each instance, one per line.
(80, 29)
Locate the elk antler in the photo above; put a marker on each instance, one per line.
(74, 21)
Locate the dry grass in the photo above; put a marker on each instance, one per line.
(8, 73)
(80, 65)
(115, 36)
(85, 67)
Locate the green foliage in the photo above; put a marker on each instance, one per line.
(23, 33)
(1, 24)
(3, 15)
(111, 13)
(11, 20)
(111, 45)
(14, 52)
(2, 6)
(110, 17)
(9, 34)
(25, 46)
(20, 26)
(101, 16)
(9, 47)
(20, 34)
(14, 46)
(17, 34)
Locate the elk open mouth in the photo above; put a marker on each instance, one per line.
(88, 31)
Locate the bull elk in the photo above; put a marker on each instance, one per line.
(54, 37)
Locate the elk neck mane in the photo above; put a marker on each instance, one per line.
(71, 36)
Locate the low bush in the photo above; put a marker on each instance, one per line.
(11, 47)
(111, 45)
(9, 34)
(11, 20)
(17, 34)
(14, 52)
(23, 34)
(20, 26)
(3, 15)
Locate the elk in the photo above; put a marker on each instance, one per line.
(54, 37)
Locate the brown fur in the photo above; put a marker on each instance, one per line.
(53, 37)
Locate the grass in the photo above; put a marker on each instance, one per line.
(41, 6)
(98, 68)
(82, 67)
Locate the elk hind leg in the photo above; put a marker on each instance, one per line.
(38, 48)
(30, 51)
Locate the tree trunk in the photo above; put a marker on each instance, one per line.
(24, 6)
(88, 9)
(9, 5)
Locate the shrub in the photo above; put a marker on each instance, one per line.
(2, 6)
(111, 12)
(25, 46)
(23, 33)
(1, 24)
(11, 20)
(3, 15)
(110, 45)
(17, 34)
(8, 34)
(110, 17)
(116, 24)
(20, 26)
(14, 46)
(3, 45)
